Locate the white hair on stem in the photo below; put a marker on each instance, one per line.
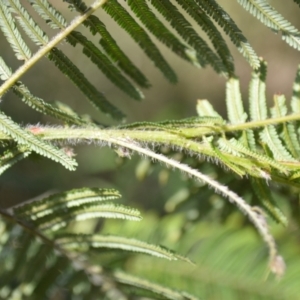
(254, 214)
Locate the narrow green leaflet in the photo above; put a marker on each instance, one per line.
(5, 71)
(258, 111)
(74, 74)
(259, 157)
(110, 45)
(295, 103)
(53, 18)
(270, 136)
(184, 28)
(288, 134)
(105, 65)
(165, 292)
(35, 144)
(234, 103)
(63, 215)
(35, 33)
(212, 8)
(56, 21)
(265, 13)
(12, 33)
(43, 107)
(128, 23)
(262, 191)
(203, 20)
(223, 159)
(12, 156)
(65, 65)
(71, 198)
(205, 109)
(157, 28)
(257, 94)
(83, 243)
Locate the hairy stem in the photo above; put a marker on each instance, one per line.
(128, 139)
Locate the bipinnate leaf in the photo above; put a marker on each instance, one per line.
(58, 210)
(84, 242)
(71, 198)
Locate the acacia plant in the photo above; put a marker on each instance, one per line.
(255, 154)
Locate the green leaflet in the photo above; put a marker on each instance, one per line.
(258, 157)
(257, 94)
(70, 70)
(56, 21)
(53, 18)
(35, 33)
(235, 109)
(37, 103)
(188, 128)
(70, 198)
(12, 156)
(297, 1)
(64, 64)
(267, 201)
(43, 107)
(58, 210)
(212, 8)
(157, 289)
(204, 54)
(212, 32)
(295, 103)
(124, 19)
(258, 111)
(111, 47)
(34, 143)
(12, 34)
(288, 134)
(157, 28)
(270, 136)
(5, 71)
(265, 13)
(82, 243)
(227, 163)
(62, 217)
(204, 109)
(105, 65)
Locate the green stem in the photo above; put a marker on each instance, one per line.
(45, 49)
(159, 136)
(261, 123)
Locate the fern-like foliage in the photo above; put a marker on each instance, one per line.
(70, 247)
(259, 146)
(264, 12)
